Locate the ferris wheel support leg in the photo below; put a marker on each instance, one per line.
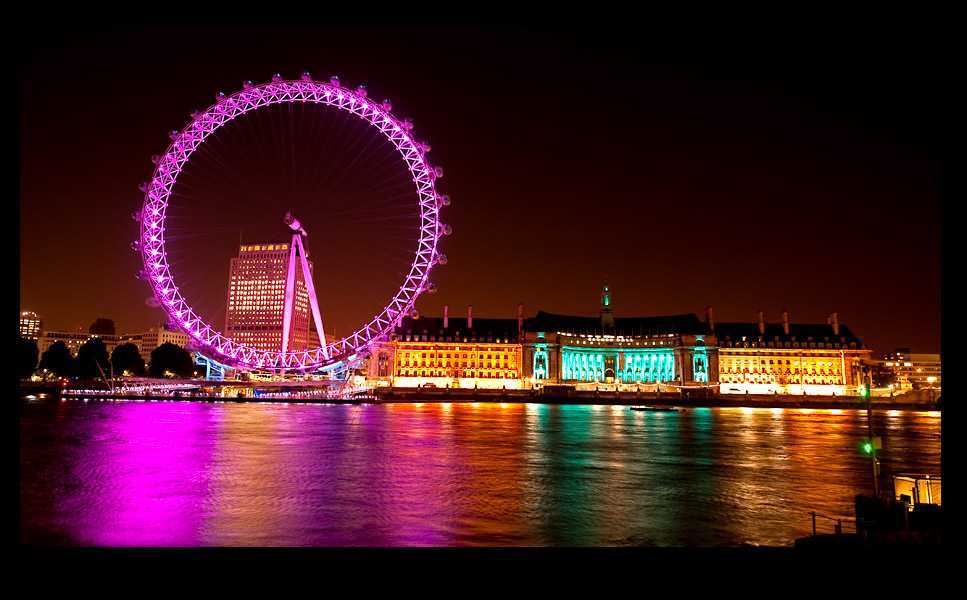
(289, 296)
(313, 301)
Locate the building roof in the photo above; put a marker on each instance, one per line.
(484, 329)
(683, 324)
(264, 247)
(76, 335)
(730, 333)
(727, 334)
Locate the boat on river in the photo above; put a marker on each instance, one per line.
(657, 408)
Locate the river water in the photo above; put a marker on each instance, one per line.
(102, 473)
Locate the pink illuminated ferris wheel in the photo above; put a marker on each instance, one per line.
(330, 353)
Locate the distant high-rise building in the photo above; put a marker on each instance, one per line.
(30, 325)
(256, 299)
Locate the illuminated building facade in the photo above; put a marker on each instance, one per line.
(74, 340)
(788, 358)
(912, 371)
(443, 352)
(154, 337)
(30, 325)
(256, 298)
(624, 351)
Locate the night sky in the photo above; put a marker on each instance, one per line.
(743, 174)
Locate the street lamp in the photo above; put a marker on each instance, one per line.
(874, 443)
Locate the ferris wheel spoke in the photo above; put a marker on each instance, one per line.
(391, 187)
(387, 202)
(212, 153)
(341, 177)
(365, 212)
(337, 131)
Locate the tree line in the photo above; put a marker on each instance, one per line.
(92, 357)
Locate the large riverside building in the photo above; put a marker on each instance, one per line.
(788, 358)
(624, 351)
(256, 298)
(443, 352)
(30, 325)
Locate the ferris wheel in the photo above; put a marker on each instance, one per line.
(330, 353)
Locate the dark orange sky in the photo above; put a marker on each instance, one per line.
(750, 177)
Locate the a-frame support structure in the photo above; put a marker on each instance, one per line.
(297, 252)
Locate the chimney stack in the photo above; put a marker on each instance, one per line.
(785, 322)
(446, 316)
(834, 321)
(762, 323)
(709, 320)
(470, 316)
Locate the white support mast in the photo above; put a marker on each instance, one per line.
(297, 249)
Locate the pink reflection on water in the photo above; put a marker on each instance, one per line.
(149, 462)
(412, 475)
(328, 476)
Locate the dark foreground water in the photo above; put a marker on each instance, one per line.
(197, 474)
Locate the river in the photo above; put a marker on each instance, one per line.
(103, 473)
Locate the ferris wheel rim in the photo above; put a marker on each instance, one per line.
(226, 109)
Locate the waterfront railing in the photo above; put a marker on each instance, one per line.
(838, 522)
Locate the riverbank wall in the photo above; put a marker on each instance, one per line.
(697, 398)
(920, 400)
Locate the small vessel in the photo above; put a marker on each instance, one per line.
(656, 408)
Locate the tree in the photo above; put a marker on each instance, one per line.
(58, 360)
(127, 357)
(883, 377)
(27, 355)
(101, 326)
(92, 353)
(169, 357)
